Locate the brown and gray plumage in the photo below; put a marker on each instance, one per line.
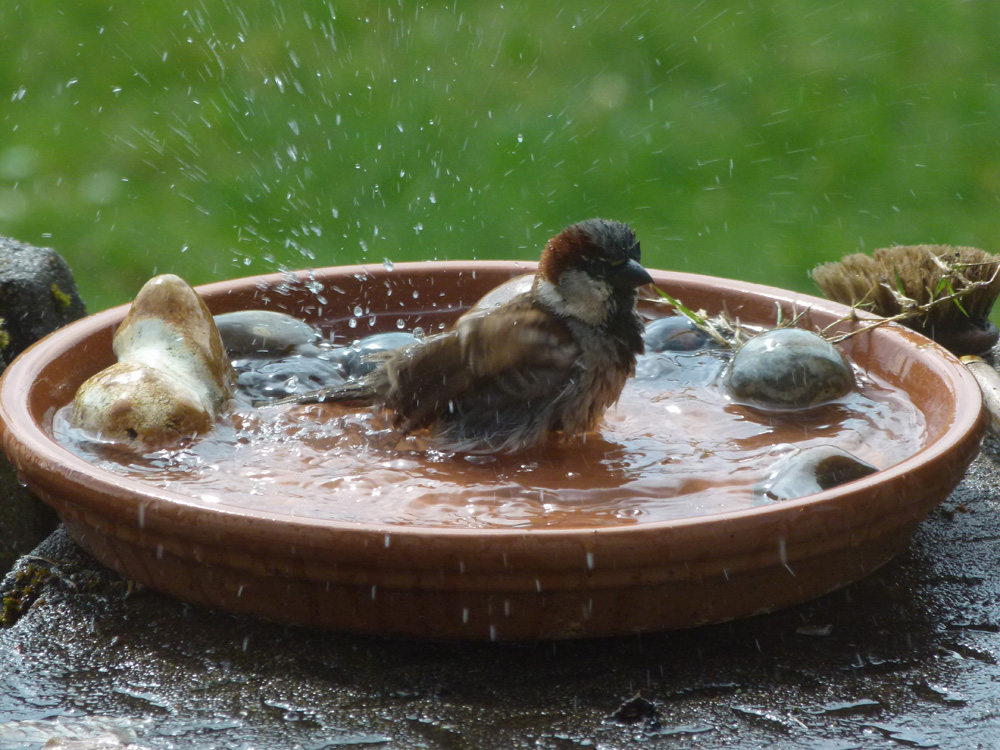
(550, 360)
(917, 271)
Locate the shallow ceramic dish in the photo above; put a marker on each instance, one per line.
(492, 583)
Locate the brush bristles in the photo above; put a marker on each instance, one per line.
(916, 272)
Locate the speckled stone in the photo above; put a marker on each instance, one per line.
(675, 333)
(808, 471)
(788, 368)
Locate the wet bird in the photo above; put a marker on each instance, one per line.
(549, 360)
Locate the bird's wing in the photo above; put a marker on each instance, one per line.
(486, 362)
(522, 339)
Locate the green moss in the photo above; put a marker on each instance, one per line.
(4, 336)
(28, 584)
(62, 300)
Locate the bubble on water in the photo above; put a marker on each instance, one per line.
(358, 311)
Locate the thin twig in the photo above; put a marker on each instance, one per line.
(703, 323)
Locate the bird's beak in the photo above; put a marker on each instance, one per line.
(630, 274)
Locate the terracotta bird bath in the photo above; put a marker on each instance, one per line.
(488, 583)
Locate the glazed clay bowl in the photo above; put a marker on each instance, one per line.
(495, 583)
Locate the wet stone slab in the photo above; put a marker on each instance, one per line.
(909, 657)
(37, 296)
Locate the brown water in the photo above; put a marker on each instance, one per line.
(675, 446)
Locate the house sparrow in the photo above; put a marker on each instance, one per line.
(551, 359)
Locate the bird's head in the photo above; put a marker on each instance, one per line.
(591, 271)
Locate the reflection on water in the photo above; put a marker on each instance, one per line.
(675, 446)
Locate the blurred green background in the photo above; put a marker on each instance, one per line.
(744, 139)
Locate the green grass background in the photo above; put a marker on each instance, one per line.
(744, 139)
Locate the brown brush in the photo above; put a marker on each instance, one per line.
(944, 292)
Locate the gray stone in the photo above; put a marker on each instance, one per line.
(265, 334)
(24, 519)
(37, 296)
(906, 657)
(788, 368)
(807, 471)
